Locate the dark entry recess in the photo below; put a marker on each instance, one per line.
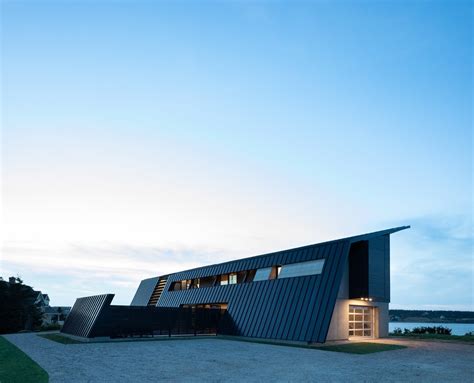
(359, 270)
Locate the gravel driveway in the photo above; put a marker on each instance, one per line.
(215, 360)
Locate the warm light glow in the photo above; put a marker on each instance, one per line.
(366, 299)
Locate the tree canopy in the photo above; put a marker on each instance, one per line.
(18, 310)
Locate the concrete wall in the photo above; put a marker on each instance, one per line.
(339, 327)
(384, 319)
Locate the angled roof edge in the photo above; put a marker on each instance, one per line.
(364, 237)
(355, 238)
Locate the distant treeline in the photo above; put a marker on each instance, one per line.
(431, 316)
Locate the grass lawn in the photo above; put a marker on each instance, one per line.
(361, 348)
(16, 366)
(60, 339)
(455, 338)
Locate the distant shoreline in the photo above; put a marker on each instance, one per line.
(457, 328)
(431, 316)
(417, 320)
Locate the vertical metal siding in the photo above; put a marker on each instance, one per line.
(322, 325)
(377, 269)
(301, 299)
(256, 303)
(144, 292)
(255, 288)
(84, 314)
(287, 308)
(272, 310)
(285, 283)
(322, 294)
(292, 308)
(297, 308)
(241, 309)
(310, 299)
(315, 317)
(387, 267)
(287, 295)
(259, 302)
(256, 329)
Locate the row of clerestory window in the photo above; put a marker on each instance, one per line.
(290, 270)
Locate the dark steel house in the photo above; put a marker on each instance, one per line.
(332, 290)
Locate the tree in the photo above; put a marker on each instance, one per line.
(18, 310)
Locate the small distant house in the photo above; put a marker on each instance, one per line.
(42, 300)
(51, 314)
(55, 314)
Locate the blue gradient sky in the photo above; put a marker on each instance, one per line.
(141, 138)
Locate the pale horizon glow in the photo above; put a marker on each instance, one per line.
(144, 138)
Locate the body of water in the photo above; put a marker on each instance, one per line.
(456, 328)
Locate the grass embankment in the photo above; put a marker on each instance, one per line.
(350, 348)
(17, 367)
(362, 347)
(451, 338)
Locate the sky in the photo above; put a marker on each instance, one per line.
(143, 138)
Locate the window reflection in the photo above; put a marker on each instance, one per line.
(254, 275)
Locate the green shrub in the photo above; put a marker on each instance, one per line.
(423, 330)
(431, 330)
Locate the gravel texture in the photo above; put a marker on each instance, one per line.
(216, 360)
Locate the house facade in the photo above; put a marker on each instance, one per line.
(328, 291)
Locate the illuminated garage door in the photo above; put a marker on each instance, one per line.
(361, 321)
